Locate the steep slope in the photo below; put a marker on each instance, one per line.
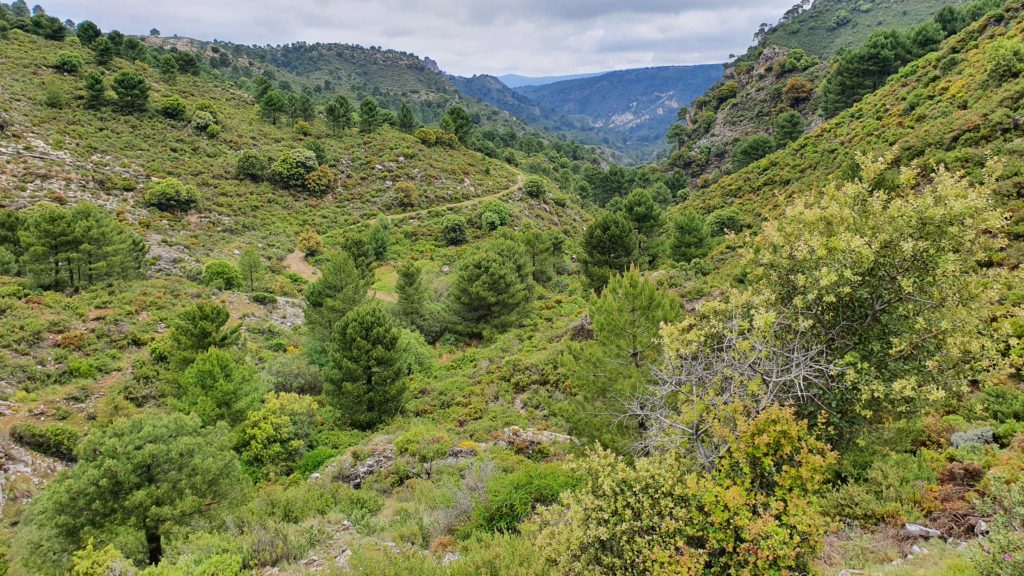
(638, 104)
(785, 71)
(956, 107)
(829, 26)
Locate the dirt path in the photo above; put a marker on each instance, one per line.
(520, 179)
(296, 262)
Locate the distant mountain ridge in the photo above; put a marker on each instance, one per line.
(638, 105)
(518, 81)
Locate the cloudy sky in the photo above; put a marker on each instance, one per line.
(533, 37)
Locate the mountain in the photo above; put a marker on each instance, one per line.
(517, 81)
(829, 26)
(787, 71)
(637, 106)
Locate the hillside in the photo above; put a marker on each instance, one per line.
(830, 26)
(264, 314)
(639, 104)
(786, 71)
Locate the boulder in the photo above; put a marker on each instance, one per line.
(918, 531)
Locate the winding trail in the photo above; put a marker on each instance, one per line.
(520, 179)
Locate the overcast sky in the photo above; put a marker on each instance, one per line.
(533, 37)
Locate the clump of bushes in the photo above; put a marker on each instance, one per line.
(252, 166)
(512, 498)
(170, 195)
(222, 275)
(320, 181)
(69, 63)
(437, 137)
(173, 108)
(535, 187)
(453, 230)
(291, 168)
(310, 243)
(57, 441)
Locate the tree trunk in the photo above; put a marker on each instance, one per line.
(154, 546)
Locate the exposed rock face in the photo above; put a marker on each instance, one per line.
(22, 472)
(918, 531)
(353, 472)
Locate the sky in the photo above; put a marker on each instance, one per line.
(530, 37)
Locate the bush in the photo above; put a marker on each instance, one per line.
(893, 489)
(320, 181)
(251, 166)
(170, 195)
(222, 275)
(751, 150)
(1005, 60)
(495, 215)
(310, 243)
(303, 128)
(453, 230)
(797, 91)
(132, 92)
(56, 440)
(725, 220)
(201, 121)
(535, 187)
(69, 63)
(314, 460)
(263, 298)
(292, 167)
(173, 108)
(513, 497)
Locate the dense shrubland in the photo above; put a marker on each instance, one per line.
(325, 331)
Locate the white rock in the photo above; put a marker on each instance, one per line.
(918, 531)
(916, 550)
(315, 477)
(981, 527)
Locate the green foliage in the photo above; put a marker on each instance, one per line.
(412, 293)
(1005, 60)
(609, 247)
(724, 221)
(104, 562)
(252, 165)
(202, 121)
(437, 137)
(173, 108)
(364, 377)
(424, 443)
(751, 150)
(340, 289)
(69, 63)
(406, 119)
(251, 268)
(752, 514)
(199, 327)
(339, 114)
(512, 498)
(135, 479)
(493, 284)
(457, 121)
(292, 168)
(893, 489)
(103, 51)
(370, 116)
(87, 32)
(320, 181)
(77, 247)
(788, 127)
(132, 92)
(494, 215)
(218, 389)
(55, 440)
(275, 438)
(535, 187)
(1004, 553)
(453, 230)
(310, 243)
(95, 91)
(690, 237)
(222, 275)
(170, 195)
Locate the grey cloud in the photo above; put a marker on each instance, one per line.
(475, 36)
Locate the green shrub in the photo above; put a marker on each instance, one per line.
(314, 460)
(222, 275)
(726, 219)
(453, 230)
(512, 498)
(170, 195)
(320, 181)
(69, 63)
(893, 489)
(535, 187)
(1005, 60)
(173, 108)
(55, 440)
(494, 215)
(291, 168)
(263, 298)
(252, 166)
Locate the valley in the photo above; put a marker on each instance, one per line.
(319, 308)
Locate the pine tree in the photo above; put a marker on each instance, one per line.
(103, 51)
(493, 285)
(609, 246)
(412, 294)
(369, 116)
(132, 92)
(406, 119)
(251, 267)
(339, 114)
(364, 375)
(95, 91)
(340, 288)
(273, 104)
(690, 237)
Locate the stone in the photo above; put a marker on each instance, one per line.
(915, 550)
(315, 477)
(918, 531)
(449, 558)
(981, 528)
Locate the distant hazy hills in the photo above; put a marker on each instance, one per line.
(628, 111)
(517, 81)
